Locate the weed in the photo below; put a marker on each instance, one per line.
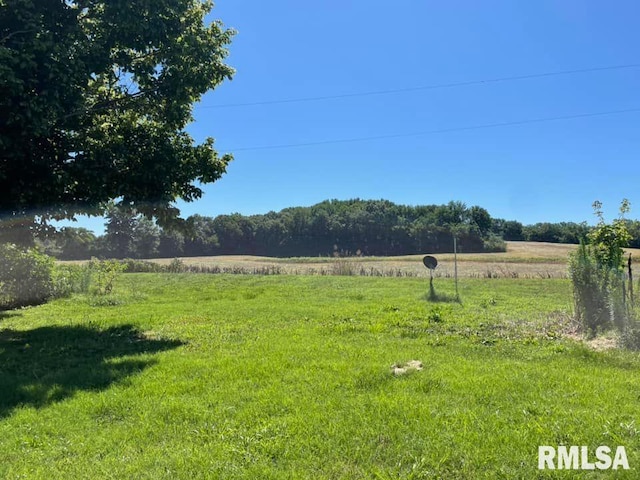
(343, 267)
(488, 302)
(435, 315)
(104, 274)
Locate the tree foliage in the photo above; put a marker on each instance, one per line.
(94, 99)
(353, 227)
(609, 240)
(70, 243)
(332, 227)
(129, 234)
(26, 277)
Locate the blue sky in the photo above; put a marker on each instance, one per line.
(547, 171)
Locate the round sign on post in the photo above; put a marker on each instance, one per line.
(430, 262)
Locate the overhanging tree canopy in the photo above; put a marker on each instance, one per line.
(94, 99)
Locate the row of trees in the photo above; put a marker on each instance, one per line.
(570, 232)
(329, 228)
(353, 227)
(562, 232)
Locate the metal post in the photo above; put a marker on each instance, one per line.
(630, 282)
(455, 263)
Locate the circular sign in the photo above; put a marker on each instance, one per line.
(430, 262)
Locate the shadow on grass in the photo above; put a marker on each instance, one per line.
(46, 365)
(435, 297)
(9, 314)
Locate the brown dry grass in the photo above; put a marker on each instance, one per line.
(521, 260)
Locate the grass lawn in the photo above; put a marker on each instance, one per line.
(215, 376)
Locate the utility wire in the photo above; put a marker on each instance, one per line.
(441, 130)
(425, 87)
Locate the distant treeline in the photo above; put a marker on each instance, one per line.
(330, 228)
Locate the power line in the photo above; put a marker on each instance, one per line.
(442, 130)
(424, 87)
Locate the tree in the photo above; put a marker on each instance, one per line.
(543, 232)
(633, 227)
(120, 231)
(481, 218)
(513, 230)
(94, 99)
(370, 227)
(75, 243)
(146, 237)
(201, 238)
(235, 234)
(608, 240)
(171, 243)
(129, 234)
(453, 213)
(597, 274)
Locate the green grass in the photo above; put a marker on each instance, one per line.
(211, 376)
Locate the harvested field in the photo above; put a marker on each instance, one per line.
(521, 260)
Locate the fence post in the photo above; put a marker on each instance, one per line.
(630, 281)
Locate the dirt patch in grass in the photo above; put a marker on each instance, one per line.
(398, 369)
(599, 344)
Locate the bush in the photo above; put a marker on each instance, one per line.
(343, 267)
(494, 243)
(68, 279)
(630, 334)
(104, 274)
(590, 291)
(176, 266)
(26, 277)
(140, 266)
(597, 273)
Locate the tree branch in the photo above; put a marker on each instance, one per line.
(106, 104)
(19, 32)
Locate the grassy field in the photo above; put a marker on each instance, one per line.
(521, 260)
(285, 377)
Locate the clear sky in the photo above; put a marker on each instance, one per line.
(540, 171)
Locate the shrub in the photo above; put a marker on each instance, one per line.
(494, 243)
(343, 267)
(26, 277)
(597, 273)
(590, 291)
(104, 274)
(68, 279)
(176, 266)
(140, 266)
(630, 334)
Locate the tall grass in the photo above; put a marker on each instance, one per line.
(340, 266)
(591, 291)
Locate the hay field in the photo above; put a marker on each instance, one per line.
(521, 260)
